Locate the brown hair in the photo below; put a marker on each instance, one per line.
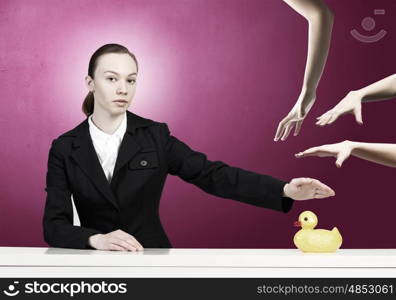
(88, 104)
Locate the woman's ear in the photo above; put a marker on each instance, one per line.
(90, 83)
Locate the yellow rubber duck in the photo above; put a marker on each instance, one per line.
(309, 239)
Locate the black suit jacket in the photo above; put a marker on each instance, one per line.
(147, 154)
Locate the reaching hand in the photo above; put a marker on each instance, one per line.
(340, 150)
(307, 188)
(295, 117)
(351, 103)
(115, 240)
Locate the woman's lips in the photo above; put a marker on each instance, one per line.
(120, 102)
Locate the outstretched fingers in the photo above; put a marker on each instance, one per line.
(322, 189)
(288, 129)
(309, 152)
(281, 128)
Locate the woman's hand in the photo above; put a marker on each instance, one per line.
(306, 188)
(296, 116)
(339, 150)
(115, 240)
(351, 103)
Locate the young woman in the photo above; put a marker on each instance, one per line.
(115, 164)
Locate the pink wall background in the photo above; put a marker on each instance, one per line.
(218, 72)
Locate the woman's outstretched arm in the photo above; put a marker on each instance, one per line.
(222, 180)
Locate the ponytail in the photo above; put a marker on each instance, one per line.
(88, 104)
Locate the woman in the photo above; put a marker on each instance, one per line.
(115, 164)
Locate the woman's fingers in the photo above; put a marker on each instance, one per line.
(332, 119)
(322, 188)
(316, 185)
(281, 128)
(127, 245)
(129, 239)
(320, 196)
(118, 244)
(322, 117)
(309, 152)
(116, 247)
(123, 244)
(289, 127)
(325, 119)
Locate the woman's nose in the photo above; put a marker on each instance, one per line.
(122, 89)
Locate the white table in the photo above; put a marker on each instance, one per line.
(263, 263)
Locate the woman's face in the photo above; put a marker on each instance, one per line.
(114, 83)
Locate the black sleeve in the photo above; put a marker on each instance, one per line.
(58, 227)
(219, 179)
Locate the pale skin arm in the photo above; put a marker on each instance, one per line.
(320, 20)
(383, 89)
(380, 153)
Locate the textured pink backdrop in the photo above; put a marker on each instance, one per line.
(221, 73)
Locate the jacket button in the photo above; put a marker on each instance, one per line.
(143, 163)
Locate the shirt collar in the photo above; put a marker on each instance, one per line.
(98, 133)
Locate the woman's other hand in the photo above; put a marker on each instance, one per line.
(306, 188)
(116, 240)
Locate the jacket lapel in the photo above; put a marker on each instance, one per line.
(85, 156)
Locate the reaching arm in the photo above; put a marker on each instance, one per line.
(384, 154)
(381, 90)
(320, 20)
(352, 102)
(379, 153)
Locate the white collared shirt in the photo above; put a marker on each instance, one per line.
(107, 145)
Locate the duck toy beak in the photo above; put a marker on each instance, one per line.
(297, 224)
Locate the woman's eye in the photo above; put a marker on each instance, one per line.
(132, 81)
(110, 78)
